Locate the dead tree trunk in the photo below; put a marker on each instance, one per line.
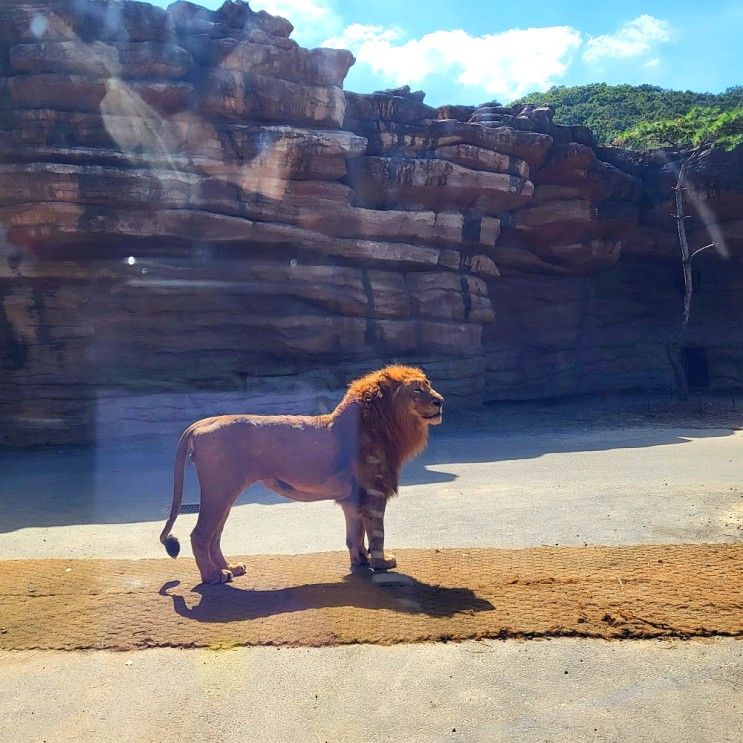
(676, 342)
(684, 243)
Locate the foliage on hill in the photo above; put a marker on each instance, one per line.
(700, 125)
(611, 110)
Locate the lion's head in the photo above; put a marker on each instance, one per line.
(412, 393)
(397, 404)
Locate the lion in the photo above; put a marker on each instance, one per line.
(352, 456)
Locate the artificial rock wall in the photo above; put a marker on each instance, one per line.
(197, 219)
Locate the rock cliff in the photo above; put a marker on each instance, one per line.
(196, 218)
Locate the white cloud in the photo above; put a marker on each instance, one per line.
(506, 64)
(636, 38)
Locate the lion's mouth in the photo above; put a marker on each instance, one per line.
(433, 416)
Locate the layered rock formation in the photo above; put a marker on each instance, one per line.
(197, 219)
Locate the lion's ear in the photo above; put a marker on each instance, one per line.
(386, 385)
(390, 388)
(374, 392)
(370, 398)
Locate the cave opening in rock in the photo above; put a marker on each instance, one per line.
(696, 366)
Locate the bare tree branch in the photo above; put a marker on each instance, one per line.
(699, 250)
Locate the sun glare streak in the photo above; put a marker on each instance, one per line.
(39, 25)
(709, 219)
(168, 143)
(134, 125)
(185, 141)
(137, 127)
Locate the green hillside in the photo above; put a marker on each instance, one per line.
(613, 109)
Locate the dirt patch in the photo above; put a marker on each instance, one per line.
(453, 594)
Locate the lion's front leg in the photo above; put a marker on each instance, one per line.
(355, 534)
(373, 505)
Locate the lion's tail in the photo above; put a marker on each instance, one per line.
(172, 545)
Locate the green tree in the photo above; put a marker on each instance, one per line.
(700, 125)
(611, 110)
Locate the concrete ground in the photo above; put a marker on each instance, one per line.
(538, 478)
(558, 690)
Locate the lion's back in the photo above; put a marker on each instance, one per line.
(287, 447)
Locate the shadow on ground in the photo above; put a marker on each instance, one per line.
(399, 592)
(133, 482)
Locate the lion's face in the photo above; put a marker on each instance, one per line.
(395, 407)
(423, 401)
(401, 395)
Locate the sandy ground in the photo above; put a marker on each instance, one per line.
(506, 484)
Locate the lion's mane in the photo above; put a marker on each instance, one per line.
(386, 434)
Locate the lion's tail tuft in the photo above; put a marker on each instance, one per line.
(172, 545)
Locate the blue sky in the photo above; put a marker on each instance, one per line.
(470, 51)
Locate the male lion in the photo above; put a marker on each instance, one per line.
(353, 456)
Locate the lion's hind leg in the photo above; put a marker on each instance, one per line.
(355, 534)
(215, 550)
(215, 507)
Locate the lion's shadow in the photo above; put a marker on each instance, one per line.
(397, 592)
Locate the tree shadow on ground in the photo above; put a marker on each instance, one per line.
(133, 482)
(492, 445)
(398, 592)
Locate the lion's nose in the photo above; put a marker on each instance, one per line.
(438, 401)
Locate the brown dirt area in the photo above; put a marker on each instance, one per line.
(453, 594)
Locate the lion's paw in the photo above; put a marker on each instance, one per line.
(217, 577)
(237, 569)
(359, 559)
(384, 563)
